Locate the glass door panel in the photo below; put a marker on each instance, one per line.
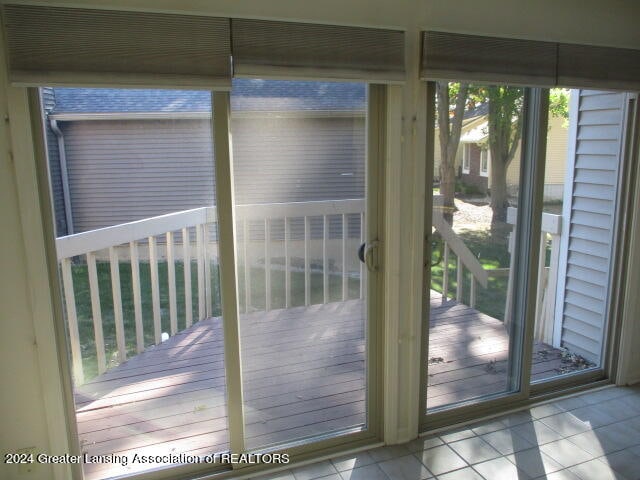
(132, 182)
(473, 346)
(299, 173)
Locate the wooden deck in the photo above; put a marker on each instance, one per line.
(304, 374)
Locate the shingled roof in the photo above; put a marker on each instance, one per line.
(248, 95)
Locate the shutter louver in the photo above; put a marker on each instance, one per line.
(298, 50)
(452, 56)
(69, 46)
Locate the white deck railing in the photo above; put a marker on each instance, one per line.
(172, 238)
(551, 229)
(176, 233)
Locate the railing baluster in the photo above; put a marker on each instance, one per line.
(155, 290)
(171, 277)
(445, 273)
(287, 263)
(361, 263)
(114, 265)
(137, 296)
(207, 270)
(247, 265)
(72, 320)
(186, 262)
(325, 259)
(472, 292)
(307, 266)
(267, 264)
(96, 312)
(200, 257)
(345, 280)
(459, 279)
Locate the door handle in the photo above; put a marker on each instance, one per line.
(368, 254)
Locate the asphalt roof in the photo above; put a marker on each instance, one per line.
(247, 95)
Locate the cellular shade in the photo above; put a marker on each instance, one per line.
(475, 58)
(598, 67)
(300, 50)
(69, 46)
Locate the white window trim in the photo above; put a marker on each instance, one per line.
(485, 172)
(466, 158)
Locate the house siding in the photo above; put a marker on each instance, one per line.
(590, 228)
(121, 171)
(556, 164)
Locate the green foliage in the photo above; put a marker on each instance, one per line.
(559, 102)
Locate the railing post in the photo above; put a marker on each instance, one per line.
(552, 286)
(445, 273)
(186, 263)
(96, 311)
(287, 264)
(307, 266)
(171, 277)
(201, 285)
(247, 265)
(362, 269)
(472, 292)
(72, 320)
(207, 270)
(155, 289)
(267, 264)
(345, 279)
(459, 279)
(325, 259)
(114, 265)
(137, 297)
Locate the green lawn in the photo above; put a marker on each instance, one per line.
(491, 254)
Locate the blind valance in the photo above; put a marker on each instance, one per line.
(300, 50)
(71, 46)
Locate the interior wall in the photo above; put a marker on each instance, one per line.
(23, 404)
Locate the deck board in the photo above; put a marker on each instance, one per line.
(303, 374)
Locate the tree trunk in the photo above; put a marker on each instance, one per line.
(447, 189)
(499, 201)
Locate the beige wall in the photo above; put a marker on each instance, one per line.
(556, 165)
(26, 405)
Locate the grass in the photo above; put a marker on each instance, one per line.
(85, 315)
(491, 254)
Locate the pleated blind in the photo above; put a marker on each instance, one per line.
(452, 56)
(480, 59)
(598, 67)
(69, 46)
(300, 50)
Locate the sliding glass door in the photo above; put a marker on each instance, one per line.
(159, 217)
(300, 178)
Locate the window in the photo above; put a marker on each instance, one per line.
(484, 162)
(466, 158)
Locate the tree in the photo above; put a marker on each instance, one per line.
(449, 129)
(505, 131)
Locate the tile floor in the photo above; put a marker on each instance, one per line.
(593, 436)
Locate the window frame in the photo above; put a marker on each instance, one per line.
(466, 158)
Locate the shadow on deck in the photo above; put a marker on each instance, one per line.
(303, 375)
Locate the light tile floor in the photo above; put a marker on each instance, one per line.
(593, 436)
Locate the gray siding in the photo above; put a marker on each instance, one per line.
(120, 171)
(592, 218)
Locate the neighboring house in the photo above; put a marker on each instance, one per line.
(133, 154)
(473, 160)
